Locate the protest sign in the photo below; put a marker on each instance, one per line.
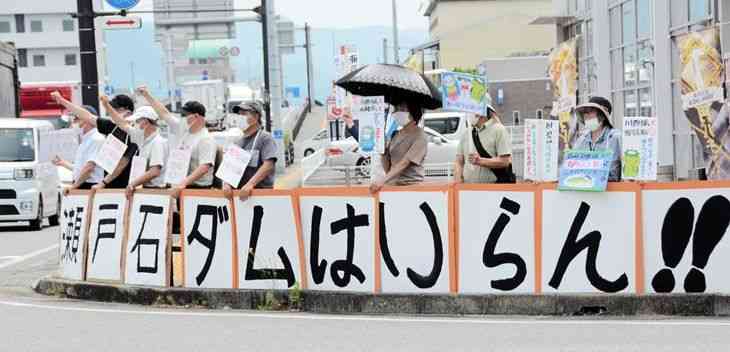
(585, 170)
(541, 150)
(62, 143)
(139, 167)
(235, 161)
(464, 92)
(110, 153)
(640, 148)
(177, 165)
(367, 111)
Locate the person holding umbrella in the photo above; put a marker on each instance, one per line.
(409, 92)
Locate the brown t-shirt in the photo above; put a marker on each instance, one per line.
(411, 145)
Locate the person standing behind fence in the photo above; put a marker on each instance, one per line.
(406, 150)
(153, 151)
(599, 133)
(190, 134)
(261, 169)
(485, 154)
(85, 171)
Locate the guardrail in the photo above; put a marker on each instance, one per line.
(326, 176)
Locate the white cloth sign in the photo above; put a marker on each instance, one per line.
(640, 148)
(147, 255)
(139, 167)
(106, 235)
(319, 213)
(418, 251)
(110, 153)
(62, 143)
(541, 150)
(74, 231)
(605, 223)
(501, 225)
(208, 242)
(267, 236)
(177, 166)
(235, 161)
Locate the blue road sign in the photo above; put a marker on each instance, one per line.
(122, 4)
(278, 134)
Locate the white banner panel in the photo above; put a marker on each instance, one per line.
(106, 236)
(74, 228)
(147, 254)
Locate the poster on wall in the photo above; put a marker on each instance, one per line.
(541, 150)
(702, 74)
(369, 112)
(207, 229)
(148, 256)
(75, 209)
(563, 72)
(268, 249)
(640, 148)
(339, 242)
(584, 170)
(464, 92)
(106, 236)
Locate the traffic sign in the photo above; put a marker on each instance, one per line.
(122, 4)
(122, 22)
(235, 51)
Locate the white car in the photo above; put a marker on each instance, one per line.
(29, 188)
(320, 141)
(451, 125)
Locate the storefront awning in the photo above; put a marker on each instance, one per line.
(544, 20)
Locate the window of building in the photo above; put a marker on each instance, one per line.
(68, 25)
(538, 114)
(20, 23)
(699, 10)
(4, 27)
(632, 53)
(202, 61)
(36, 26)
(515, 117)
(70, 59)
(23, 57)
(39, 60)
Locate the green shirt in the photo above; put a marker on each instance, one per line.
(496, 141)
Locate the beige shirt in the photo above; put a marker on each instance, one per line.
(411, 145)
(496, 141)
(202, 144)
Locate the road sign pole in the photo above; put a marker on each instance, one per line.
(310, 73)
(87, 44)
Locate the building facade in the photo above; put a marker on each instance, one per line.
(464, 32)
(47, 40)
(627, 53)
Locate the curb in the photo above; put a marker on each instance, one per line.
(364, 303)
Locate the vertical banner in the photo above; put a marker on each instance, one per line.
(208, 244)
(369, 111)
(702, 73)
(541, 150)
(414, 241)
(496, 241)
(268, 248)
(640, 148)
(106, 236)
(75, 209)
(346, 61)
(339, 239)
(563, 71)
(464, 92)
(588, 242)
(148, 256)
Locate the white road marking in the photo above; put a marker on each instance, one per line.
(30, 255)
(8, 257)
(308, 316)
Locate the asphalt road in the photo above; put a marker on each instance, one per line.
(32, 322)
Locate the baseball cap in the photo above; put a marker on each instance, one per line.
(194, 107)
(247, 106)
(144, 112)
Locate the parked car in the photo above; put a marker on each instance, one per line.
(451, 125)
(29, 187)
(319, 141)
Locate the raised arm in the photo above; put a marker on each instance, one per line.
(160, 109)
(116, 117)
(77, 110)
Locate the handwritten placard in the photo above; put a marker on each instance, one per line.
(177, 165)
(235, 161)
(110, 153)
(640, 148)
(62, 143)
(585, 170)
(369, 111)
(464, 92)
(541, 150)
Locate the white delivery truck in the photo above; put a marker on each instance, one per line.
(212, 94)
(239, 93)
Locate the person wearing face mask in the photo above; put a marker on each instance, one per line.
(485, 154)
(153, 151)
(260, 170)
(85, 171)
(406, 150)
(188, 133)
(599, 133)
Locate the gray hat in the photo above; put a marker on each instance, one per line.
(248, 106)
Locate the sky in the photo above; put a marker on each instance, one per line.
(339, 13)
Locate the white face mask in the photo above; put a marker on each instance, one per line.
(474, 120)
(593, 125)
(243, 122)
(402, 118)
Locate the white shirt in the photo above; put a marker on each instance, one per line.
(90, 144)
(154, 150)
(202, 144)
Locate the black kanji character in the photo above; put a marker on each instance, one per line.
(218, 215)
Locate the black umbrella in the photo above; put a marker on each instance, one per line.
(397, 83)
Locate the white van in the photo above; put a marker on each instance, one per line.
(451, 125)
(29, 189)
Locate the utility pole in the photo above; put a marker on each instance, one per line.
(310, 73)
(171, 87)
(385, 50)
(262, 10)
(395, 35)
(272, 77)
(87, 48)
(131, 73)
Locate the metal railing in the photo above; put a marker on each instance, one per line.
(330, 176)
